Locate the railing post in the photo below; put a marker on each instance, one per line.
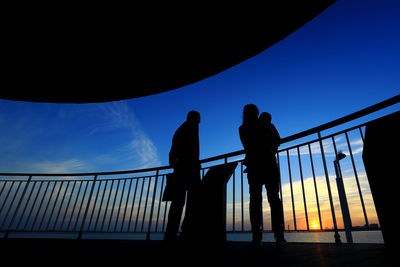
(291, 190)
(152, 206)
(280, 188)
(234, 201)
(241, 191)
(357, 180)
(302, 186)
(87, 208)
(315, 188)
(337, 236)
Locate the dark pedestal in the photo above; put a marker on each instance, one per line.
(212, 203)
(382, 161)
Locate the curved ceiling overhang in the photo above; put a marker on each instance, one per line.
(96, 54)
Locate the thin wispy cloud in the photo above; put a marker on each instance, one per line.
(140, 149)
(74, 138)
(66, 166)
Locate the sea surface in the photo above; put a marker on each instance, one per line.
(313, 237)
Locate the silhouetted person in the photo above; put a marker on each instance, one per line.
(260, 144)
(184, 158)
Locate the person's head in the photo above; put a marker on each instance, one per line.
(193, 116)
(250, 113)
(265, 117)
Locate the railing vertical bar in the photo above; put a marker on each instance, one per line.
(26, 205)
(54, 206)
(80, 206)
(87, 206)
(361, 133)
(140, 202)
(152, 205)
(94, 204)
(291, 190)
(47, 205)
(119, 206)
(108, 201)
(357, 180)
(40, 205)
(126, 204)
(280, 187)
(74, 206)
(225, 200)
(133, 205)
(33, 206)
(61, 204)
(337, 237)
(315, 187)
(2, 188)
(302, 187)
(113, 206)
(165, 216)
(67, 207)
(160, 201)
(101, 203)
(241, 189)
(233, 200)
(145, 205)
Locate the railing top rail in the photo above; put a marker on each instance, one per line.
(381, 105)
(89, 173)
(336, 133)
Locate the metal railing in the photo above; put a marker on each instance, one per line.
(130, 201)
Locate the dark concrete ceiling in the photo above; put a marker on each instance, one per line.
(84, 54)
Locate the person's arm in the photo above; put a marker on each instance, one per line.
(243, 138)
(277, 138)
(172, 156)
(174, 153)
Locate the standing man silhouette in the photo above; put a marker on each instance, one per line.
(184, 158)
(260, 143)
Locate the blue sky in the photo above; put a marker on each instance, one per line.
(345, 59)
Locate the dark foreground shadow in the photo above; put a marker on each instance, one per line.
(52, 252)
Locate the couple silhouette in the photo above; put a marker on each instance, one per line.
(260, 140)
